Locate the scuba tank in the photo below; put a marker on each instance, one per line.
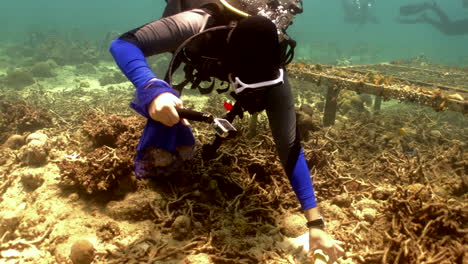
(280, 12)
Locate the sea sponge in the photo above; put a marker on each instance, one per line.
(357, 102)
(82, 252)
(293, 225)
(35, 152)
(18, 79)
(181, 227)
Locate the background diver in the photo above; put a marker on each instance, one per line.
(359, 11)
(444, 24)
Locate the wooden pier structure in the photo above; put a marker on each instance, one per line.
(437, 86)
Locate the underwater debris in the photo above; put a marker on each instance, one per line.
(344, 62)
(456, 96)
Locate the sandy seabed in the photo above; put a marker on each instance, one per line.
(392, 184)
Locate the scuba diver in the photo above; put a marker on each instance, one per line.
(359, 11)
(240, 42)
(444, 24)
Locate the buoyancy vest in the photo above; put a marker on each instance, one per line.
(203, 54)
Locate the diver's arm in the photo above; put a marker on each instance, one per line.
(282, 119)
(159, 36)
(133, 64)
(166, 34)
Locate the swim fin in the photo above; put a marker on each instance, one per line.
(412, 9)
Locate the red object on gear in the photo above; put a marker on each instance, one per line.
(228, 106)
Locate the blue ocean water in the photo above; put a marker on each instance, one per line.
(321, 31)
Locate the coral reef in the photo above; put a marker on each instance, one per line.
(112, 77)
(104, 130)
(100, 170)
(71, 47)
(18, 79)
(44, 69)
(18, 117)
(106, 164)
(86, 68)
(66, 52)
(350, 101)
(305, 122)
(391, 184)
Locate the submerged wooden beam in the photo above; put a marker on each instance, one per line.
(377, 103)
(379, 84)
(331, 105)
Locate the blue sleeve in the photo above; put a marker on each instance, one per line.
(302, 183)
(132, 63)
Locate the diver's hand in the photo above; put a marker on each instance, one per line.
(163, 109)
(319, 239)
